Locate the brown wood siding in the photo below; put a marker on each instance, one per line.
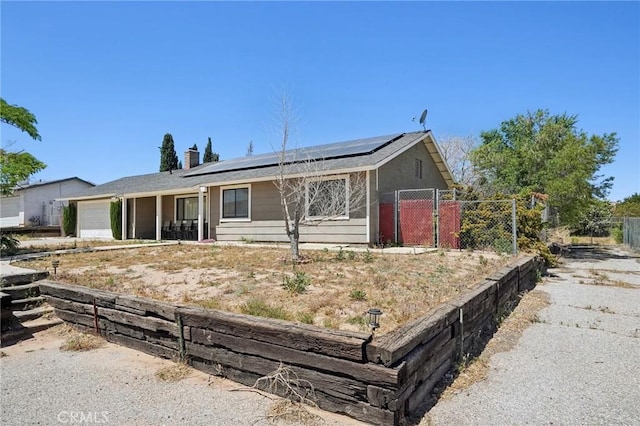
(265, 202)
(167, 208)
(214, 211)
(373, 208)
(399, 173)
(267, 222)
(145, 218)
(331, 231)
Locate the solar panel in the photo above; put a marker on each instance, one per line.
(319, 152)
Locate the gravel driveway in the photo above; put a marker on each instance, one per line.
(579, 365)
(114, 385)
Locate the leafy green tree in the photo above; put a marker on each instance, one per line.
(539, 152)
(168, 156)
(209, 155)
(629, 207)
(20, 118)
(596, 220)
(17, 166)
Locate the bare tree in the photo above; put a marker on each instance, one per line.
(456, 151)
(308, 193)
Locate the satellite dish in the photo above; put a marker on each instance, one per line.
(423, 118)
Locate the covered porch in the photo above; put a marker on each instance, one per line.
(175, 216)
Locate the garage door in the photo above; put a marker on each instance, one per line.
(93, 219)
(10, 211)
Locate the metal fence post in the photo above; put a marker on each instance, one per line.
(436, 218)
(514, 228)
(396, 206)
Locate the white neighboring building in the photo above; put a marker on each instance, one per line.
(35, 203)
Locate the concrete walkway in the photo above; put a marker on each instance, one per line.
(580, 364)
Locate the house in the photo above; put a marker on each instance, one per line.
(237, 198)
(35, 204)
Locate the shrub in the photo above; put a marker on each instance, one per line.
(116, 219)
(259, 308)
(9, 244)
(298, 283)
(306, 317)
(69, 217)
(617, 233)
(358, 295)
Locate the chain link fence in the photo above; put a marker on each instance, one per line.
(439, 218)
(631, 232)
(488, 226)
(416, 225)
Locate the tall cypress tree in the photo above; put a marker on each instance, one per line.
(168, 156)
(209, 155)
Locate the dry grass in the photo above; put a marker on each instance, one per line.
(26, 248)
(173, 373)
(290, 412)
(600, 278)
(231, 278)
(298, 396)
(474, 370)
(76, 341)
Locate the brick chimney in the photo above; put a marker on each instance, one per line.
(191, 158)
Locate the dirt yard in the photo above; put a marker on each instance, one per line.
(334, 289)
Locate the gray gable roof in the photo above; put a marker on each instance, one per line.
(23, 186)
(227, 171)
(316, 153)
(152, 182)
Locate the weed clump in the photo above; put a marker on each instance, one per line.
(81, 342)
(297, 284)
(358, 295)
(173, 373)
(259, 308)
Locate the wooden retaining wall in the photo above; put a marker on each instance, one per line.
(380, 380)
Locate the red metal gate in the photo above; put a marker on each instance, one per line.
(387, 222)
(449, 224)
(416, 222)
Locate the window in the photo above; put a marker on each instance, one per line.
(187, 208)
(418, 168)
(328, 198)
(235, 203)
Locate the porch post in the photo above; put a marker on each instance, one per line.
(158, 217)
(124, 218)
(201, 192)
(368, 207)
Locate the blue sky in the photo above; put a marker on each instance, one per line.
(106, 80)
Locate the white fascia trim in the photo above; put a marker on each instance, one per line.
(93, 197)
(442, 160)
